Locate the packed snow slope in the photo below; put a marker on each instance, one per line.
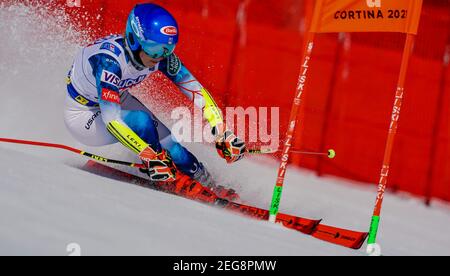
(47, 201)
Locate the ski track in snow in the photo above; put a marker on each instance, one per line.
(48, 202)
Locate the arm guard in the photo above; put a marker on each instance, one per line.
(108, 73)
(173, 68)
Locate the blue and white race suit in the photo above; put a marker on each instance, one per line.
(100, 111)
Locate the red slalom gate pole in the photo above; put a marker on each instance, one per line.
(74, 150)
(372, 247)
(276, 198)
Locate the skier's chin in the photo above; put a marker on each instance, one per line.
(148, 61)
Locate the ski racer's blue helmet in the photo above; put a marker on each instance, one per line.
(152, 29)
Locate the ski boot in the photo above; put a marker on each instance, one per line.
(192, 189)
(204, 177)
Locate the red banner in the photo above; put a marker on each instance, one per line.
(332, 16)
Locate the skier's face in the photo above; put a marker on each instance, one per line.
(148, 61)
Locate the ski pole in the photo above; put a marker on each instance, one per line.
(261, 151)
(74, 150)
(129, 164)
(331, 153)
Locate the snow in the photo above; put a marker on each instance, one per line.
(48, 202)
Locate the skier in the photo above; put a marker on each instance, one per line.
(99, 109)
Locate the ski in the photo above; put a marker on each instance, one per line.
(340, 236)
(303, 225)
(334, 235)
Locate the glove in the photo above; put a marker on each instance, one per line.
(230, 147)
(160, 165)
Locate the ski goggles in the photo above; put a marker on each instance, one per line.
(157, 50)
